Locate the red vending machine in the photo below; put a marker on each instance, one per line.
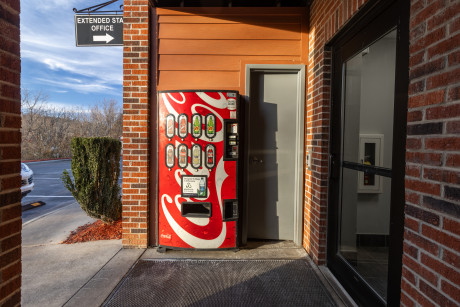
(198, 156)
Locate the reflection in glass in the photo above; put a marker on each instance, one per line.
(367, 149)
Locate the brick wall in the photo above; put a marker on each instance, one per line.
(326, 18)
(135, 123)
(431, 261)
(10, 155)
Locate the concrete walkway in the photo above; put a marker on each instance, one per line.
(86, 274)
(56, 274)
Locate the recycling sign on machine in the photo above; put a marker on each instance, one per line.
(99, 30)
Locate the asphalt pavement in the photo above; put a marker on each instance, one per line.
(48, 188)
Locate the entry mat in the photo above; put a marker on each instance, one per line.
(165, 282)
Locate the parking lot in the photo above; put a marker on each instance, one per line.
(48, 189)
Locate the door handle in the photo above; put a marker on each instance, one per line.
(254, 159)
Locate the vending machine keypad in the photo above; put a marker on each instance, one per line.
(231, 140)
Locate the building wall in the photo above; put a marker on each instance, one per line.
(136, 127)
(326, 19)
(10, 155)
(431, 258)
(207, 48)
(197, 49)
(431, 261)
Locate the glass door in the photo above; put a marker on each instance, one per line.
(364, 221)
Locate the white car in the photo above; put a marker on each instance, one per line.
(27, 182)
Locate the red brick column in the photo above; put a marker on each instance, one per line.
(326, 18)
(431, 261)
(135, 122)
(10, 155)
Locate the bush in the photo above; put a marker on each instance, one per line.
(96, 168)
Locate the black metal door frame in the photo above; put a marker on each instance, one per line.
(373, 21)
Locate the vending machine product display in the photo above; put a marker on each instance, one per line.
(198, 156)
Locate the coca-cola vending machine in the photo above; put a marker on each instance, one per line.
(198, 155)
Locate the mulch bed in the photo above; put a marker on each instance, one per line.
(94, 232)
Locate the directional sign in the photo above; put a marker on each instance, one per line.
(99, 30)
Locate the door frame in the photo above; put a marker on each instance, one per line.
(373, 21)
(299, 69)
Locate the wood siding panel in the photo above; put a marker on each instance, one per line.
(229, 47)
(204, 48)
(231, 31)
(175, 80)
(215, 62)
(230, 11)
(222, 19)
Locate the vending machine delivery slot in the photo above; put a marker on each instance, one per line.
(195, 209)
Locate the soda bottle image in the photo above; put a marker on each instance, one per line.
(210, 157)
(201, 192)
(170, 125)
(210, 126)
(183, 157)
(196, 157)
(183, 126)
(170, 158)
(196, 126)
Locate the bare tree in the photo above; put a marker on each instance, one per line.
(48, 130)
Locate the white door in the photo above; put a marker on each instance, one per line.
(273, 152)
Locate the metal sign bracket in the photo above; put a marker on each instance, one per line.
(96, 8)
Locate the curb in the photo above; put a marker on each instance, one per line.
(42, 160)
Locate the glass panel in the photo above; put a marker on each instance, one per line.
(368, 102)
(365, 230)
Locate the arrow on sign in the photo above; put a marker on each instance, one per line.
(102, 38)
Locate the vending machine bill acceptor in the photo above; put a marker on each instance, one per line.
(198, 165)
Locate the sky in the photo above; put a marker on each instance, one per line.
(51, 63)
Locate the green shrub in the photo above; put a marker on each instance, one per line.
(96, 168)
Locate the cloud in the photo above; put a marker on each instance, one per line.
(87, 87)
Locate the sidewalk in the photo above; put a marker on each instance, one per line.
(56, 274)
(87, 274)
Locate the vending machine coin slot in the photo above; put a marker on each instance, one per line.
(231, 140)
